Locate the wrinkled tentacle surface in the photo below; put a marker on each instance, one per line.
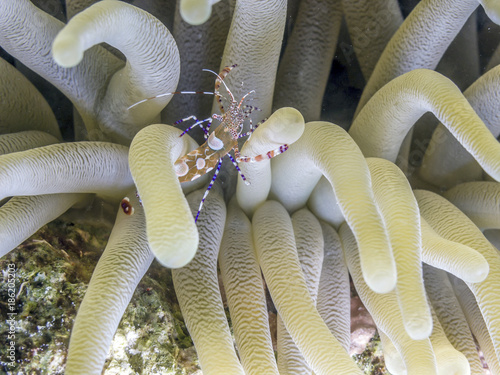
(24, 140)
(197, 288)
(200, 47)
(476, 323)
(22, 106)
(324, 148)
(281, 268)
(384, 308)
(399, 210)
(22, 216)
(419, 43)
(479, 200)
(171, 230)
(385, 120)
(245, 294)
(454, 257)
(449, 222)
(84, 167)
(449, 360)
(125, 260)
(27, 33)
(334, 300)
(152, 66)
(285, 126)
(306, 62)
(446, 161)
(451, 316)
(309, 243)
(260, 30)
(371, 25)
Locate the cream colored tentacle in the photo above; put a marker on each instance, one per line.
(384, 308)
(172, 233)
(245, 294)
(450, 223)
(197, 289)
(381, 126)
(325, 148)
(399, 210)
(122, 265)
(309, 242)
(277, 255)
(451, 316)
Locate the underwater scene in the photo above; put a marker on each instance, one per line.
(259, 187)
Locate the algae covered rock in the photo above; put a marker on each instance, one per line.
(51, 271)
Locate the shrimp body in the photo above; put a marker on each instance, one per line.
(221, 141)
(206, 157)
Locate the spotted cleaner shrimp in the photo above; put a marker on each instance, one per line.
(219, 143)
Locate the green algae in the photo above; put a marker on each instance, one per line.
(53, 269)
(371, 361)
(152, 337)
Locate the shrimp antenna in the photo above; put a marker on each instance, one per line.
(170, 93)
(218, 76)
(183, 92)
(148, 99)
(242, 99)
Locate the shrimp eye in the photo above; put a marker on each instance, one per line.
(126, 206)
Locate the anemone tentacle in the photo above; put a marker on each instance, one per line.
(419, 43)
(476, 322)
(245, 294)
(22, 106)
(259, 29)
(310, 245)
(198, 292)
(484, 97)
(449, 222)
(307, 59)
(291, 295)
(404, 100)
(333, 302)
(125, 260)
(325, 148)
(454, 257)
(84, 167)
(399, 210)
(417, 354)
(27, 33)
(451, 316)
(285, 126)
(371, 25)
(171, 230)
(152, 66)
(479, 200)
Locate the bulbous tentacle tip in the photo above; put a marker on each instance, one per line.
(477, 274)
(492, 9)
(176, 254)
(291, 117)
(67, 50)
(380, 282)
(196, 12)
(451, 361)
(286, 121)
(419, 328)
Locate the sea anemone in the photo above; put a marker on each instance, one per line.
(335, 203)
